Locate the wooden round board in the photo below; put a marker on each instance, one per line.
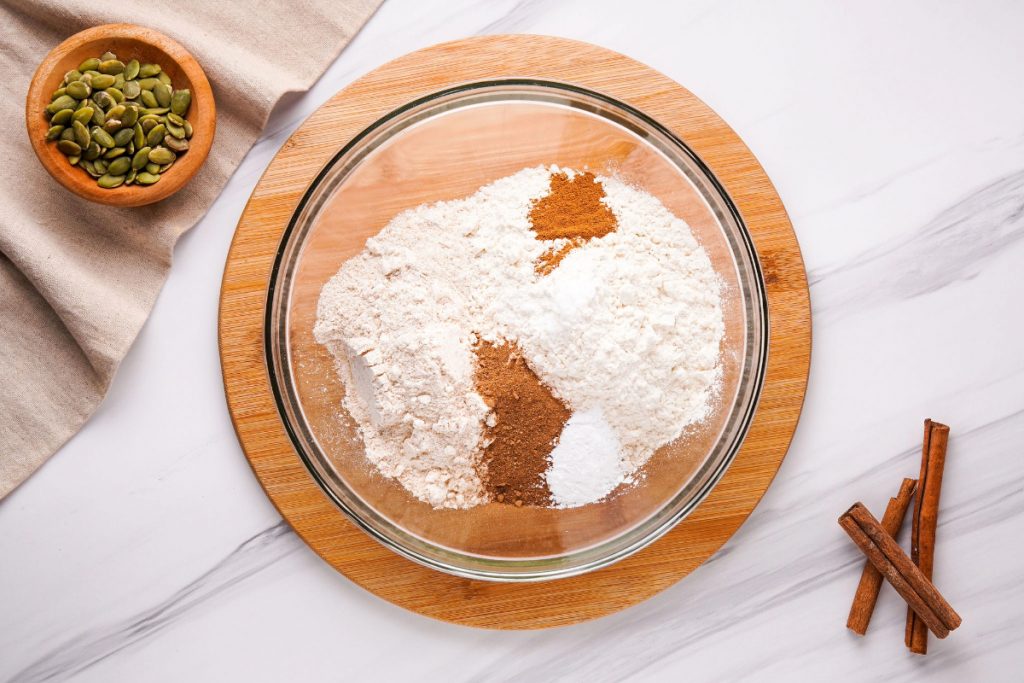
(292, 489)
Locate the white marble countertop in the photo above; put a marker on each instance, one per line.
(894, 132)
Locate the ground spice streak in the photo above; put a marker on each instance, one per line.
(527, 419)
(574, 211)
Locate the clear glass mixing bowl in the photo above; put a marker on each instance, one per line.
(446, 146)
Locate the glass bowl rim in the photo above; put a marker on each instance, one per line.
(274, 361)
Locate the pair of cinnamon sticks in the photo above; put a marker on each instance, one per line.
(910, 576)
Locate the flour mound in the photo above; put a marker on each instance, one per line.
(627, 326)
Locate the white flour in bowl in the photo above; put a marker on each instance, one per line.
(625, 331)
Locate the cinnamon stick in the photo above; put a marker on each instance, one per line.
(871, 579)
(899, 570)
(925, 520)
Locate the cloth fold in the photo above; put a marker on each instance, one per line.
(77, 279)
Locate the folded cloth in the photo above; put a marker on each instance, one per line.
(77, 279)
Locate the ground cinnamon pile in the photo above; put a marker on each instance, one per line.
(573, 210)
(526, 420)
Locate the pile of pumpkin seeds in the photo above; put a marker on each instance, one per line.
(121, 123)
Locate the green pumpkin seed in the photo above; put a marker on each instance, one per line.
(180, 101)
(130, 116)
(62, 118)
(162, 94)
(102, 137)
(175, 144)
(84, 115)
(138, 120)
(141, 158)
(103, 100)
(82, 136)
(62, 102)
(93, 152)
(69, 148)
(155, 136)
(124, 136)
(109, 182)
(78, 90)
(111, 66)
(176, 131)
(119, 166)
(161, 155)
(102, 81)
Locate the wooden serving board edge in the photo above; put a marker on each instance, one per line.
(262, 435)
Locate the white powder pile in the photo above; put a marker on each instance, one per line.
(625, 331)
(586, 464)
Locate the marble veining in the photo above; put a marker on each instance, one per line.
(147, 551)
(955, 245)
(89, 647)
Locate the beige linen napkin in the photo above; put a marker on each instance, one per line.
(78, 280)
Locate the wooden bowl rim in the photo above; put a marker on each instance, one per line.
(81, 183)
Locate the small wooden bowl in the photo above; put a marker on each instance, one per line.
(128, 42)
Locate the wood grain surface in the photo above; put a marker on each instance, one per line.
(128, 42)
(292, 489)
